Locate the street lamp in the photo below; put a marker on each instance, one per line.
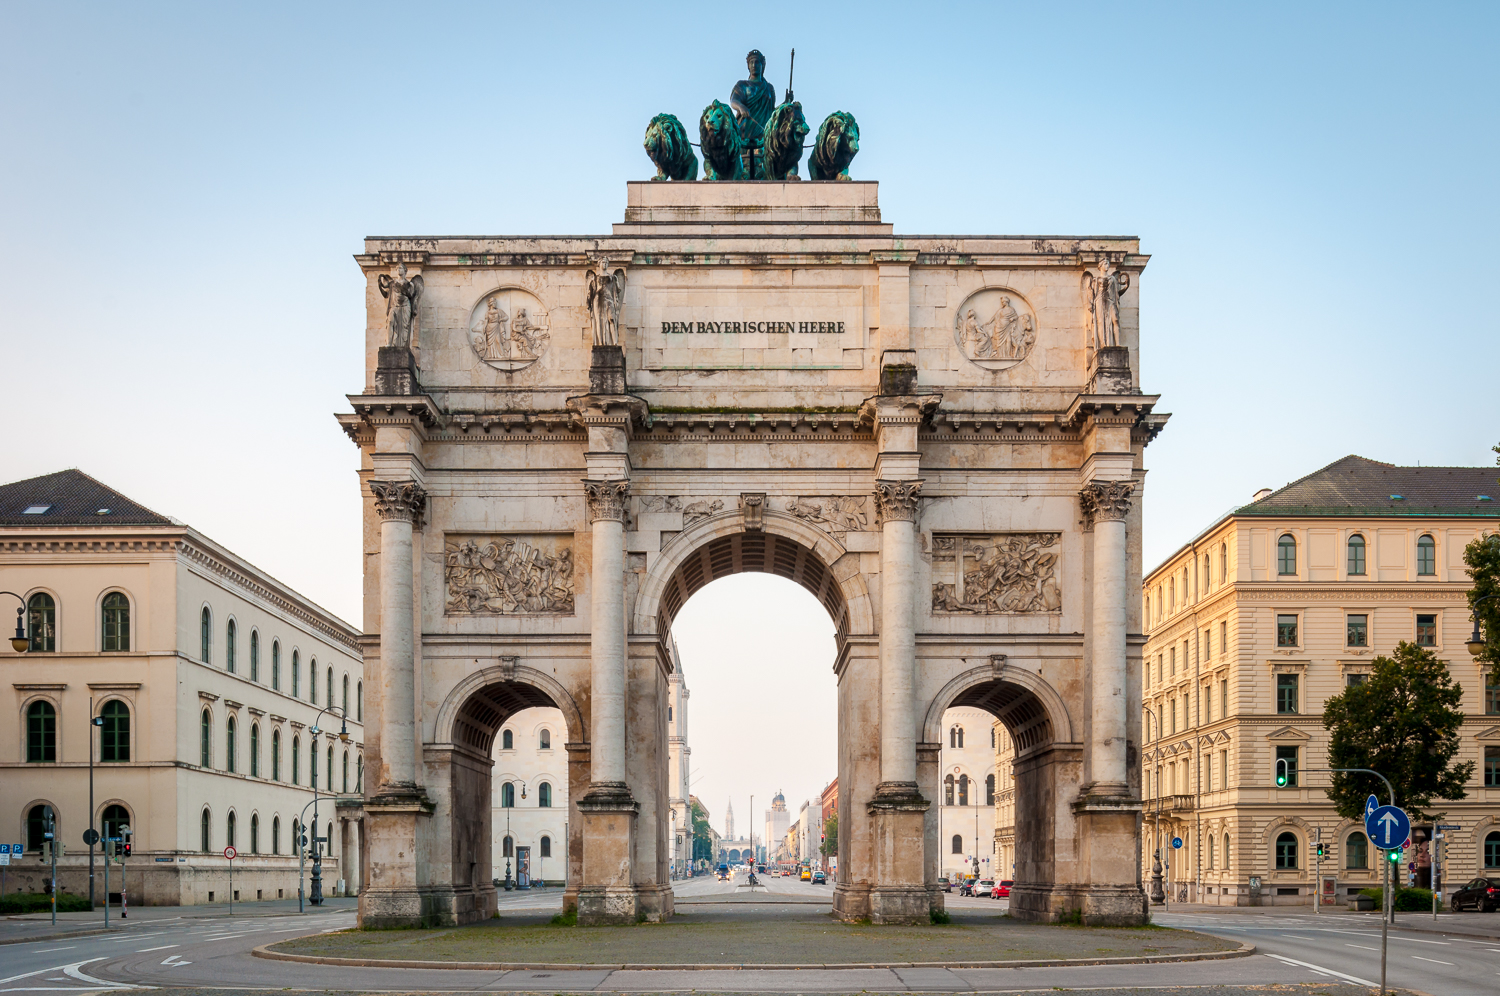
(317, 873)
(1476, 643)
(20, 643)
(1158, 894)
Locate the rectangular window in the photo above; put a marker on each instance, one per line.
(1355, 678)
(1172, 712)
(1172, 660)
(1208, 773)
(1208, 645)
(1224, 770)
(1492, 693)
(1357, 630)
(1286, 693)
(1224, 699)
(1286, 631)
(1224, 637)
(1289, 755)
(1427, 630)
(1492, 767)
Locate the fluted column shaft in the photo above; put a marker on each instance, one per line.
(606, 501)
(399, 504)
(1108, 503)
(897, 501)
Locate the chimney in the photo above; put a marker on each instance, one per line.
(1262, 493)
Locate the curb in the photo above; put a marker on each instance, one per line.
(61, 935)
(265, 951)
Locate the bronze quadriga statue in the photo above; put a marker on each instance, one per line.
(836, 147)
(784, 134)
(668, 146)
(719, 140)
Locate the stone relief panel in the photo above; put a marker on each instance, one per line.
(995, 328)
(508, 328)
(518, 574)
(691, 511)
(839, 514)
(998, 573)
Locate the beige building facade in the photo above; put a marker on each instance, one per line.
(208, 677)
(530, 796)
(1260, 619)
(967, 803)
(941, 438)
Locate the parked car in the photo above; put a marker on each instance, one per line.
(966, 887)
(984, 888)
(1482, 894)
(818, 878)
(945, 884)
(1002, 888)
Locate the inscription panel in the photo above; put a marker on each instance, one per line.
(756, 328)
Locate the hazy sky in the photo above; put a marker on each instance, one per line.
(184, 186)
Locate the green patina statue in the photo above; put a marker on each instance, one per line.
(783, 145)
(753, 100)
(719, 139)
(668, 146)
(835, 148)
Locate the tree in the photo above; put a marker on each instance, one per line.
(1403, 722)
(703, 836)
(1482, 557)
(830, 843)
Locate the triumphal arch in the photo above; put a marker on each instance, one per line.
(939, 437)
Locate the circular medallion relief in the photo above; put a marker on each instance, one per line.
(995, 328)
(508, 328)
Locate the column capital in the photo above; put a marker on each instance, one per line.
(606, 499)
(401, 501)
(1108, 501)
(898, 499)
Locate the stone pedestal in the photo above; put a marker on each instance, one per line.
(396, 372)
(396, 894)
(1109, 861)
(900, 894)
(607, 371)
(608, 894)
(1109, 372)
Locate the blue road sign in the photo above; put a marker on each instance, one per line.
(1371, 804)
(1176, 843)
(4, 848)
(1388, 827)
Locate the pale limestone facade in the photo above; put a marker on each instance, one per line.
(533, 811)
(941, 438)
(1005, 804)
(1231, 685)
(679, 764)
(201, 672)
(966, 801)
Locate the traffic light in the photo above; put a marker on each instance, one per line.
(126, 833)
(1393, 856)
(1283, 774)
(1320, 851)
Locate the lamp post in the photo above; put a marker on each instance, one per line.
(1476, 643)
(20, 643)
(94, 722)
(317, 873)
(1158, 894)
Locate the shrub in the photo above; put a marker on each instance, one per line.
(940, 916)
(40, 902)
(1406, 900)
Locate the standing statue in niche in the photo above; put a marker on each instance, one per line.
(1102, 290)
(606, 294)
(401, 296)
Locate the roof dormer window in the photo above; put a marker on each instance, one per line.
(36, 509)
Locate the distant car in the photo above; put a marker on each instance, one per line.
(806, 875)
(1002, 888)
(945, 884)
(984, 888)
(1482, 894)
(818, 878)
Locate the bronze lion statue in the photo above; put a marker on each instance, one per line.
(836, 147)
(668, 146)
(719, 138)
(784, 134)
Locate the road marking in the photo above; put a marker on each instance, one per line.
(1319, 968)
(1360, 946)
(70, 947)
(1434, 961)
(1418, 940)
(174, 961)
(162, 948)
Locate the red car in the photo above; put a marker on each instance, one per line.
(1002, 888)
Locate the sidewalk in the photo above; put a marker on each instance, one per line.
(39, 927)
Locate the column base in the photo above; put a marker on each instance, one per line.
(607, 893)
(900, 894)
(900, 904)
(1089, 905)
(851, 903)
(398, 893)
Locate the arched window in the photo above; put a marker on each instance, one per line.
(229, 825)
(116, 622)
(1172, 593)
(1356, 554)
(41, 623)
(992, 738)
(359, 772)
(345, 699)
(507, 740)
(359, 702)
(254, 750)
(328, 769)
(276, 665)
(115, 817)
(275, 755)
(254, 833)
(1148, 608)
(329, 700)
(275, 835)
(1286, 555)
(544, 795)
(507, 795)
(1286, 851)
(956, 737)
(1357, 851)
(114, 735)
(346, 771)
(958, 843)
(329, 849)
(1226, 852)
(1223, 561)
(1210, 852)
(1492, 849)
(507, 847)
(948, 790)
(296, 675)
(312, 680)
(204, 825)
(230, 732)
(205, 739)
(989, 790)
(231, 634)
(206, 636)
(254, 656)
(963, 790)
(296, 837)
(1426, 555)
(36, 826)
(546, 847)
(545, 741)
(296, 760)
(1208, 571)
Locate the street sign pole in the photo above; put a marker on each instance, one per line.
(229, 853)
(1384, 918)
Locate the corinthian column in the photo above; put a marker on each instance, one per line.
(399, 504)
(897, 502)
(1107, 503)
(607, 635)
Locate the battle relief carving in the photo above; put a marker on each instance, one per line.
(1000, 573)
(508, 329)
(509, 575)
(995, 328)
(839, 514)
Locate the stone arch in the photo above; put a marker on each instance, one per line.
(464, 714)
(720, 545)
(1030, 708)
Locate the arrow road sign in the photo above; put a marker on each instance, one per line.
(1371, 804)
(1387, 827)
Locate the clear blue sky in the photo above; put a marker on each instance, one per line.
(184, 185)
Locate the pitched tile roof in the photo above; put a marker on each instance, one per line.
(1356, 485)
(71, 498)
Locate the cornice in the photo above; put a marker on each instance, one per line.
(1290, 593)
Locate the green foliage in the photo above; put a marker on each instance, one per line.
(1407, 900)
(830, 843)
(939, 916)
(1403, 722)
(17, 903)
(567, 918)
(1071, 918)
(703, 836)
(1482, 557)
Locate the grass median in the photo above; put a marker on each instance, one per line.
(733, 937)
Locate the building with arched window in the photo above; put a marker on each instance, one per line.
(530, 795)
(192, 736)
(1314, 582)
(966, 802)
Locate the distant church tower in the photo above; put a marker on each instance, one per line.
(729, 820)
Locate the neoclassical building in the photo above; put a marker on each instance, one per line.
(966, 808)
(679, 762)
(530, 797)
(1263, 616)
(211, 681)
